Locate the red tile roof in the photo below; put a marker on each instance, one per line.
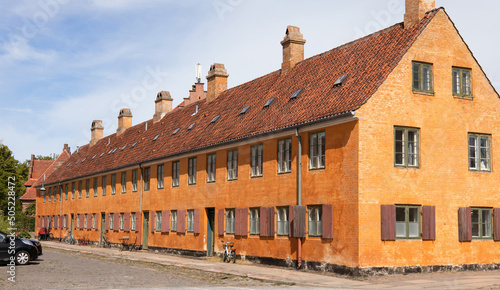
(367, 62)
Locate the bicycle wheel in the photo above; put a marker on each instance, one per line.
(233, 256)
(51, 237)
(224, 257)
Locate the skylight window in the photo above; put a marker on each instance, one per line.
(176, 131)
(84, 159)
(94, 156)
(296, 94)
(156, 137)
(68, 164)
(340, 80)
(191, 126)
(133, 145)
(245, 109)
(76, 163)
(124, 147)
(110, 151)
(215, 119)
(269, 103)
(102, 154)
(114, 150)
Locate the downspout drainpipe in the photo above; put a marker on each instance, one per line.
(299, 194)
(60, 210)
(140, 209)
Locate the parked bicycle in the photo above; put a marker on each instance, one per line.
(83, 240)
(106, 243)
(70, 239)
(229, 253)
(45, 234)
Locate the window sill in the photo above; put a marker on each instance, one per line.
(423, 93)
(406, 167)
(316, 169)
(284, 173)
(256, 176)
(479, 171)
(468, 98)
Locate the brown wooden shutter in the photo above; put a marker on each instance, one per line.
(264, 227)
(106, 223)
(298, 221)
(126, 222)
(89, 221)
(237, 222)
(196, 226)
(464, 224)
(327, 221)
(496, 224)
(220, 225)
(82, 225)
(290, 219)
(428, 223)
(56, 224)
(65, 225)
(152, 217)
(138, 220)
(388, 222)
(116, 222)
(244, 221)
(181, 221)
(165, 221)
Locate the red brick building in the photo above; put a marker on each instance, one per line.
(378, 154)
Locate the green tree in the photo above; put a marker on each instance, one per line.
(16, 173)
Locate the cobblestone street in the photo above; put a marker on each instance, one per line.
(65, 269)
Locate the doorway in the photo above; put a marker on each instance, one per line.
(72, 219)
(103, 227)
(145, 230)
(210, 230)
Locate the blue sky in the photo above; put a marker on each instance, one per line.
(64, 63)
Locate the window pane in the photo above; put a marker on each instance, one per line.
(426, 78)
(456, 82)
(414, 230)
(400, 229)
(416, 76)
(321, 149)
(466, 83)
(486, 218)
(400, 214)
(475, 222)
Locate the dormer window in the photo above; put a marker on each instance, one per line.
(422, 77)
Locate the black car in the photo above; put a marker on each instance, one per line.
(23, 250)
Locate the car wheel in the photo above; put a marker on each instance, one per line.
(22, 258)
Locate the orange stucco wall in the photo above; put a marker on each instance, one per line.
(335, 185)
(443, 179)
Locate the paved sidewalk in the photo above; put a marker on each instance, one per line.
(464, 280)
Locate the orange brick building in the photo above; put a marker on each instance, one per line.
(376, 155)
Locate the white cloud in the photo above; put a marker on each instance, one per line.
(19, 49)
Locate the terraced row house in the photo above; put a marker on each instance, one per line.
(378, 154)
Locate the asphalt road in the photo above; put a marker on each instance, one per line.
(58, 269)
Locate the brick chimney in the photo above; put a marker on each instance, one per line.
(124, 121)
(293, 48)
(416, 10)
(96, 132)
(197, 93)
(67, 148)
(163, 105)
(217, 81)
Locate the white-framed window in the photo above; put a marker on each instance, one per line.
(104, 184)
(192, 169)
(232, 164)
(175, 173)
(285, 155)
(111, 220)
(78, 220)
(132, 222)
(230, 221)
(317, 150)
(134, 180)
(122, 221)
(124, 182)
(95, 187)
(255, 221)
(65, 220)
(256, 160)
(73, 190)
(282, 221)
(211, 167)
(481, 223)
(479, 152)
(406, 147)
(147, 178)
(113, 184)
(173, 221)
(408, 221)
(80, 188)
(158, 221)
(315, 221)
(66, 191)
(190, 220)
(462, 82)
(160, 176)
(94, 216)
(85, 221)
(87, 192)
